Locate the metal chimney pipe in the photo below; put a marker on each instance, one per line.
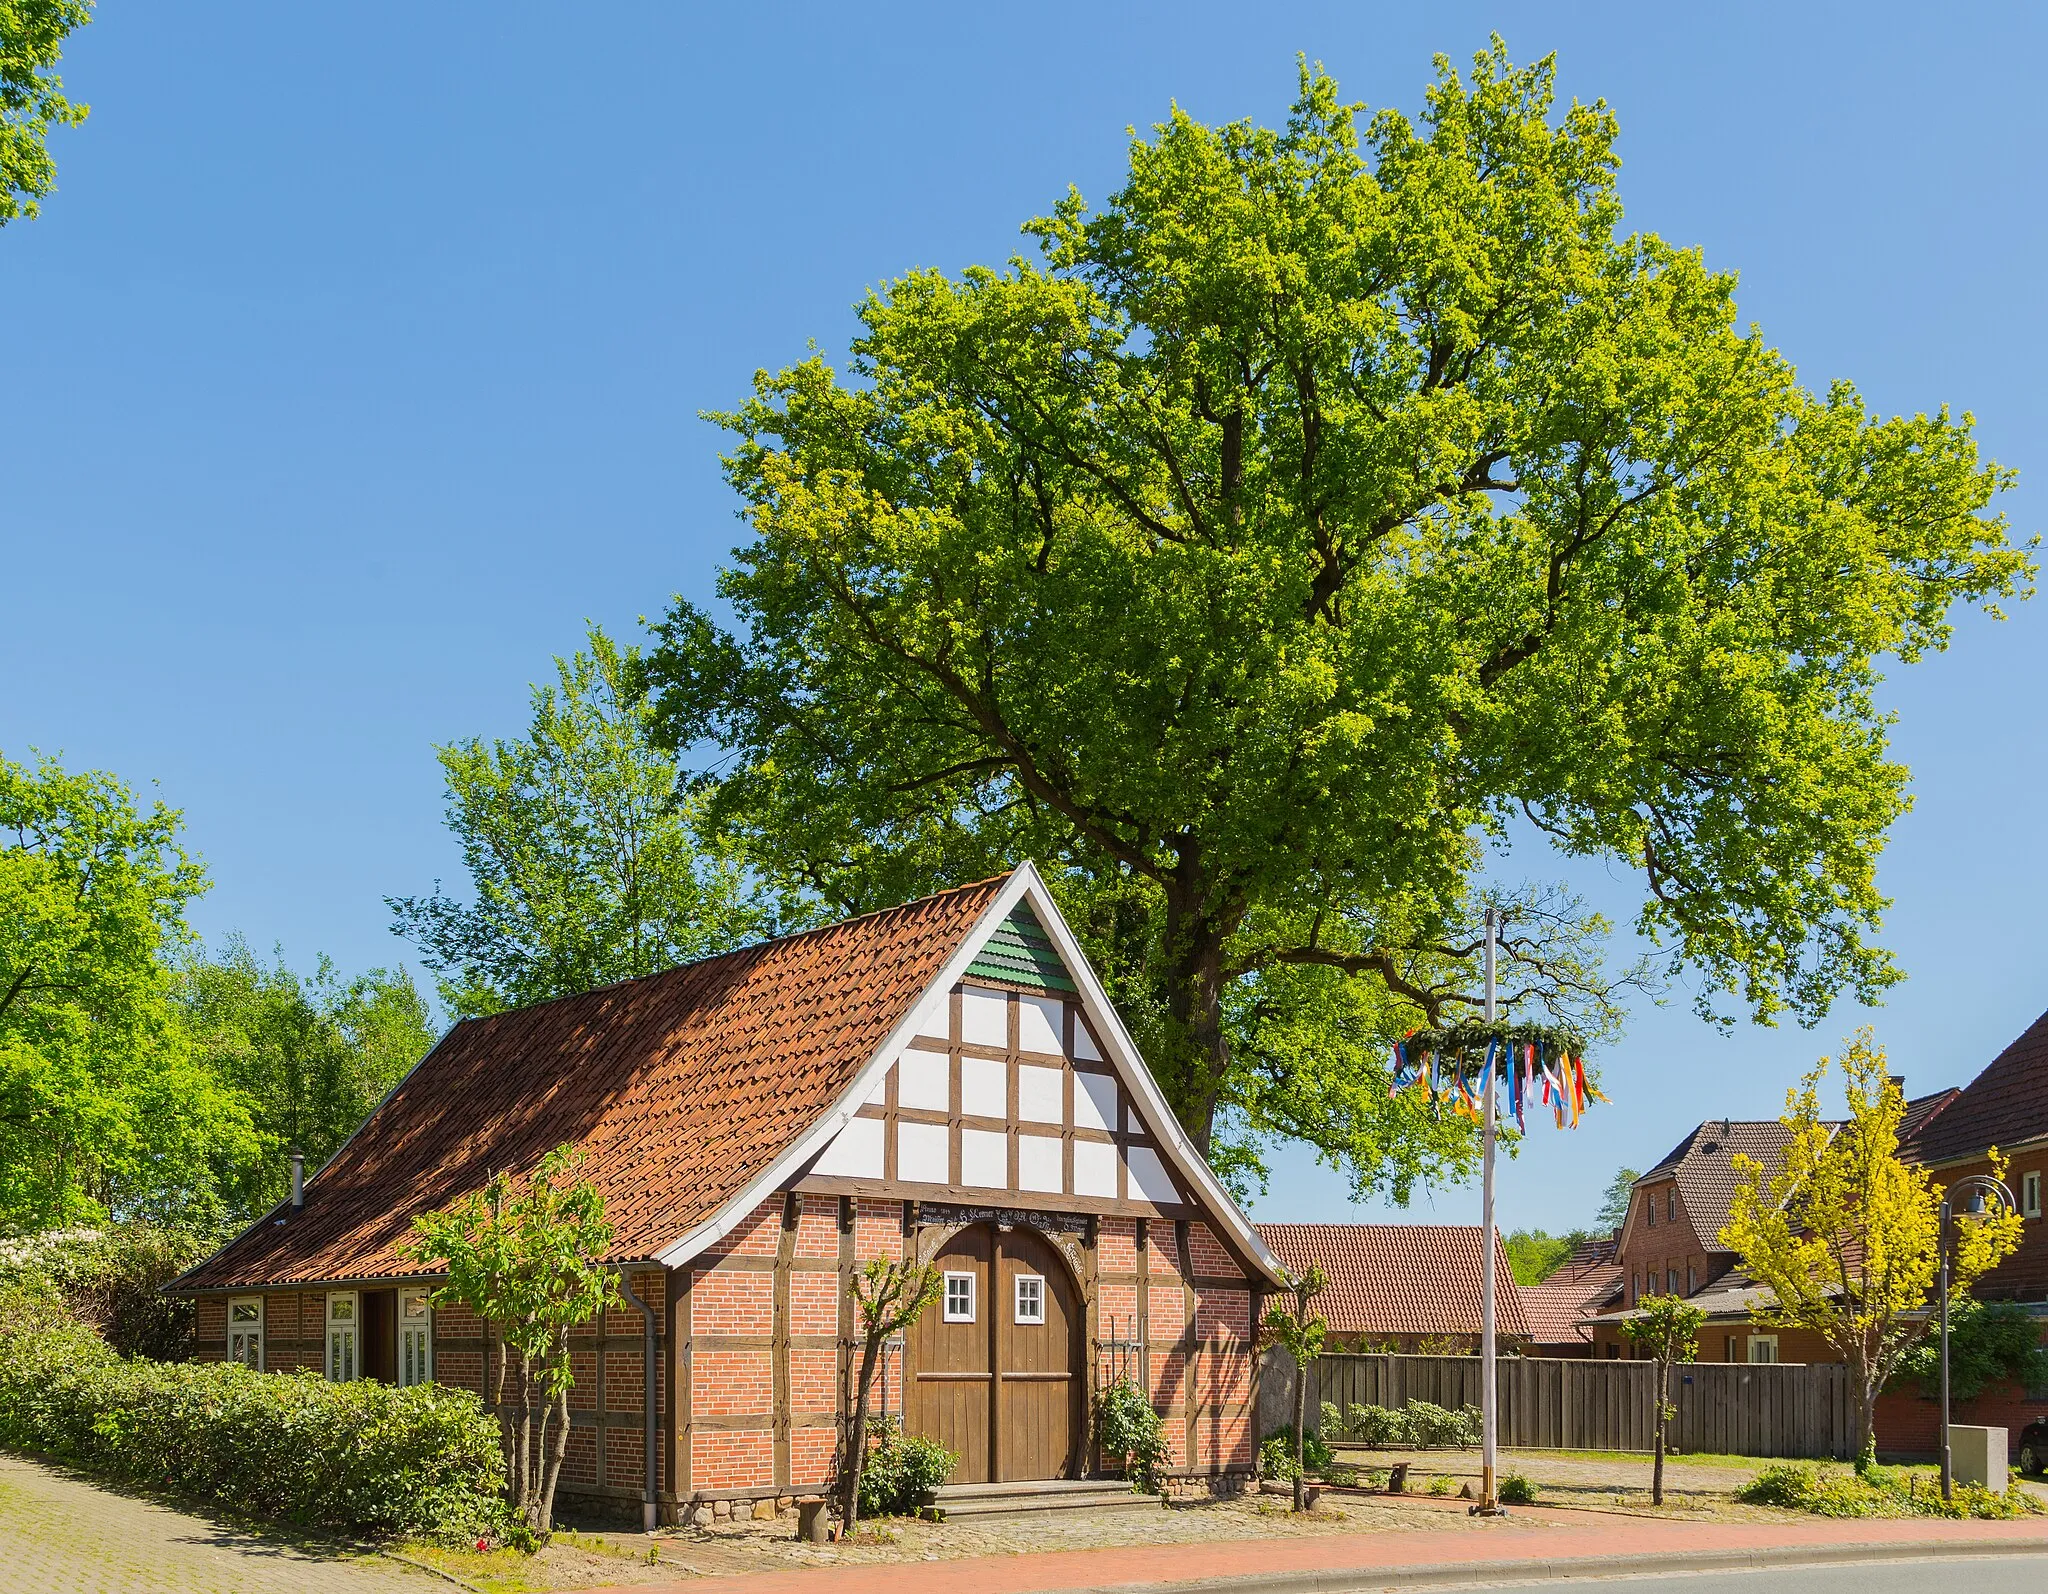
(298, 1180)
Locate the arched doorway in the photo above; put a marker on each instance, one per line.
(996, 1366)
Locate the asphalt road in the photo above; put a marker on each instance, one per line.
(1977, 1574)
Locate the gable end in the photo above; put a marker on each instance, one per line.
(1019, 952)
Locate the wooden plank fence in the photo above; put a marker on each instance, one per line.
(1729, 1408)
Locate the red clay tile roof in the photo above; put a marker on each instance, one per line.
(1556, 1306)
(1920, 1113)
(681, 1087)
(1399, 1278)
(2005, 1105)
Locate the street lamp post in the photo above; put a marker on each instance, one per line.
(1979, 1185)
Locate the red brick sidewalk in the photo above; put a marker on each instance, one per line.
(1555, 1538)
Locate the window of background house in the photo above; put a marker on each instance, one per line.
(1635, 1285)
(1691, 1279)
(415, 1338)
(1671, 1203)
(1763, 1347)
(1671, 1281)
(245, 1331)
(341, 1336)
(1650, 1209)
(959, 1297)
(1728, 1350)
(2030, 1194)
(1030, 1298)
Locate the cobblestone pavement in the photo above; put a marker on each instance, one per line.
(62, 1535)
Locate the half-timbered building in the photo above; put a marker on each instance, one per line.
(945, 1081)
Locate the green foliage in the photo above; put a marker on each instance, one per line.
(903, 1471)
(1327, 499)
(1129, 1430)
(1878, 1492)
(112, 1282)
(310, 1057)
(1665, 1329)
(1534, 1255)
(1988, 1340)
(524, 1255)
(1621, 1190)
(103, 1110)
(1433, 1427)
(1515, 1489)
(888, 1298)
(585, 869)
(1420, 1425)
(358, 1458)
(1277, 1455)
(32, 34)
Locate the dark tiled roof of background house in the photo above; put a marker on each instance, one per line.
(1920, 1113)
(1557, 1305)
(1703, 1163)
(682, 1087)
(1399, 1278)
(2004, 1106)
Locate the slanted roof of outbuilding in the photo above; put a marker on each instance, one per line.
(681, 1087)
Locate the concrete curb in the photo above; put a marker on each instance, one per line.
(1444, 1574)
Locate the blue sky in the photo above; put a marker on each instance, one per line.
(358, 362)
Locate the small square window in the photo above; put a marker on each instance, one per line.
(2030, 1194)
(959, 1297)
(245, 1311)
(1763, 1348)
(1030, 1298)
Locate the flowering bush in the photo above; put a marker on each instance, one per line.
(292, 1448)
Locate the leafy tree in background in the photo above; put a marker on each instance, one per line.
(1327, 500)
(32, 35)
(1621, 1190)
(103, 1109)
(584, 865)
(1845, 1234)
(1534, 1255)
(311, 1057)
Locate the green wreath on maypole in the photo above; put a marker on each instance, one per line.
(1546, 1062)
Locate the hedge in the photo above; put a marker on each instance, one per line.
(358, 1458)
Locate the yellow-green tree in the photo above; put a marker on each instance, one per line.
(1846, 1235)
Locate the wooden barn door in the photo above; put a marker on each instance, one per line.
(995, 1365)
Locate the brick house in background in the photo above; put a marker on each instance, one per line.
(1402, 1286)
(943, 1081)
(1588, 1281)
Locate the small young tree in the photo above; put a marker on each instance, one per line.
(1846, 1235)
(1667, 1327)
(888, 1297)
(523, 1254)
(1299, 1332)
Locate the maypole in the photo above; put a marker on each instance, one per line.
(1489, 1502)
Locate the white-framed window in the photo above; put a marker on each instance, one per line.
(245, 1331)
(342, 1361)
(1671, 1281)
(1671, 1204)
(959, 1297)
(415, 1338)
(1650, 1208)
(1763, 1348)
(2030, 1194)
(1030, 1298)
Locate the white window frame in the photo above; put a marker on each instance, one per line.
(415, 1338)
(1029, 1296)
(344, 1359)
(963, 1313)
(245, 1339)
(2030, 1195)
(1768, 1344)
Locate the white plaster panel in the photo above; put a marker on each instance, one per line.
(936, 1021)
(985, 1017)
(924, 1080)
(985, 1159)
(1038, 1025)
(984, 1087)
(1094, 1168)
(1084, 1043)
(1038, 1163)
(921, 1153)
(1149, 1181)
(1040, 1098)
(880, 1094)
(1094, 1100)
(856, 1151)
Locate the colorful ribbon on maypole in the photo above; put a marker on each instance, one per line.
(1448, 1068)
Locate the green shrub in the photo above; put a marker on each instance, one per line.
(903, 1471)
(1434, 1427)
(1315, 1454)
(1128, 1429)
(111, 1280)
(355, 1458)
(1878, 1492)
(1516, 1490)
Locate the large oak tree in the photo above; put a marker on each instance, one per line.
(1327, 501)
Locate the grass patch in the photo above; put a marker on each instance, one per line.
(1879, 1492)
